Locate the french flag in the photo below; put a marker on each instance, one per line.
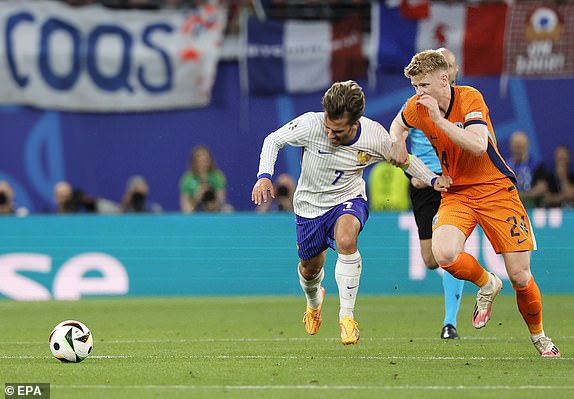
(297, 56)
(474, 33)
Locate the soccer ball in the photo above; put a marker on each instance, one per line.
(71, 341)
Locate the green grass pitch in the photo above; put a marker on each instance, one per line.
(256, 347)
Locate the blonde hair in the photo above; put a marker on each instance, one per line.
(426, 62)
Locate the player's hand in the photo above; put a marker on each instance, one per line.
(432, 105)
(442, 183)
(399, 155)
(260, 190)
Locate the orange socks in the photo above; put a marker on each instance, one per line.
(529, 303)
(528, 298)
(466, 267)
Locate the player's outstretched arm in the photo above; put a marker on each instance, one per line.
(398, 155)
(260, 190)
(417, 168)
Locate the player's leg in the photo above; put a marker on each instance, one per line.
(452, 288)
(529, 300)
(350, 218)
(508, 228)
(348, 275)
(448, 248)
(425, 203)
(311, 274)
(348, 266)
(312, 244)
(426, 253)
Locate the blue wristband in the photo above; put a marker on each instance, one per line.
(264, 175)
(433, 180)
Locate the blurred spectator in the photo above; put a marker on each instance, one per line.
(283, 202)
(68, 200)
(63, 197)
(388, 188)
(203, 185)
(560, 182)
(530, 175)
(6, 199)
(136, 195)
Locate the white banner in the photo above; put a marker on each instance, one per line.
(100, 60)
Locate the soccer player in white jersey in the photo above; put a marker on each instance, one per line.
(330, 201)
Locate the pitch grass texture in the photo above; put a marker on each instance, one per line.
(256, 347)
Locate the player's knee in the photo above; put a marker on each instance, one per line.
(347, 245)
(428, 257)
(309, 273)
(520, 278)
(444, 255)
(310, 269)
(430, 261)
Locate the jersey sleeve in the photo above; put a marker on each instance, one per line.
(409, 113)
(294, 133)
(418, 169)
(383, 143)
(474, 108)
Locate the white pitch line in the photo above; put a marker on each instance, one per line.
(276, 339)
(319, 387)
(294, 357)
(225, 340)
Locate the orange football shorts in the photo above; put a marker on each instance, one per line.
(496, 207)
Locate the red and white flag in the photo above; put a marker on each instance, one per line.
(475, 34)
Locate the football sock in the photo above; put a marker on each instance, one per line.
(529, 302)
(466, 267)
(312, 288)
(348, 274)
(452, 294)
(534, 337)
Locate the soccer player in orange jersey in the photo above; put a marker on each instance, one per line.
(456, 121)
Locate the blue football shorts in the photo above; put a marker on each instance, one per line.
(317, 234)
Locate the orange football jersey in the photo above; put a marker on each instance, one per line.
(466, 107)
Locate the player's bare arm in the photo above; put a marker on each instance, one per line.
(398, 155)
(473, 139)
(260, 190)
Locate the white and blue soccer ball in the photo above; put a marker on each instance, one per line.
(71, 341)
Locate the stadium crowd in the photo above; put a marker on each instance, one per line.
(548, 183)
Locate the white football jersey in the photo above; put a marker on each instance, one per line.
(330, 175)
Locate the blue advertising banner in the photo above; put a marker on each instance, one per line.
(71, 257)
